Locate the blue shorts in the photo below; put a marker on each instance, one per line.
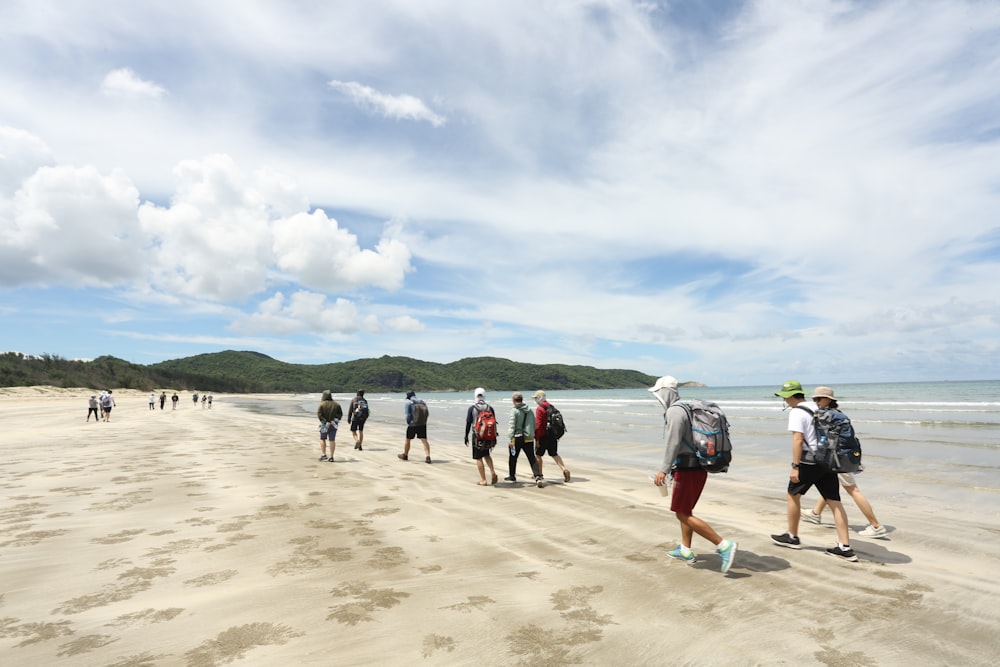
(327, 432)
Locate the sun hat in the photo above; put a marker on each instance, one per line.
(665, 381)
(790, 388)
(824, 392)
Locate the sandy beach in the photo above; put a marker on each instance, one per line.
(208, 537)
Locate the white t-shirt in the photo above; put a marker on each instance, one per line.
(800, 421)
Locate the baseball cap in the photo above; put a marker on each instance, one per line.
(411, 393)
(665, 381)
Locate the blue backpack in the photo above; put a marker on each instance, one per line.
(839, 449)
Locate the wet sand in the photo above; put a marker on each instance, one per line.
(209, 537)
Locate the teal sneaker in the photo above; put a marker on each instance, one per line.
(727, 554)
(679, 554)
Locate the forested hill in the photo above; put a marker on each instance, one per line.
(248, 372)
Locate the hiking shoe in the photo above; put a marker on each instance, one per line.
(510, 478)
(678, 553)
(812, 517)
(402, 457)
(786, 540)
(847, 554)
(727, 555)
(566, 475)
(427, 460)
(330, 460)
(323, 458)
(872, 531)
(539, 482)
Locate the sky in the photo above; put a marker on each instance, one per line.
(736, 193)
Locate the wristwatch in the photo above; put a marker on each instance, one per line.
(795, 465)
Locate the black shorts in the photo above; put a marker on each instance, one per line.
(358, 425)
(416, 431)
(480, 450)
(547, 445)
(826, 482)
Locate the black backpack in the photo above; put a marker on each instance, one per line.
(360, 410)
(555, 427)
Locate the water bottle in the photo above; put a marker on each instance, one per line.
(710, 447)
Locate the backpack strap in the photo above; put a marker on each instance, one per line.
(685, 460)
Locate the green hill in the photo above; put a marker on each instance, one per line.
(249, 372)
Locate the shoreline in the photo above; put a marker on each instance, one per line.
(201, 537)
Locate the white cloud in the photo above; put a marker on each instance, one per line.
(405, 324)
(124, 82)
(303, 312)
(323, 256)
(405, 107)
(72, 226)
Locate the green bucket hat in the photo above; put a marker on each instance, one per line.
(790, 388)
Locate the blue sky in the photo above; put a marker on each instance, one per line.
(736, 193)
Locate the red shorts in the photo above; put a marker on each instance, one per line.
(688, 485)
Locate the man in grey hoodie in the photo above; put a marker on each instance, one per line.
(688, 478)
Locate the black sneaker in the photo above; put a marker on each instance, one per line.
(427, 460)
(847, 554)
(786, 540)
(323, 458)
(510, 478)
(402, 457)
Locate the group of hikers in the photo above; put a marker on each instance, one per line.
(686, 465)
(533, 433)
(101, 406)
(695, 446)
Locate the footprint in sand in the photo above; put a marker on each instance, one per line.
(364, 602)
(233, 644)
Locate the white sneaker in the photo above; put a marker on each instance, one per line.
(809, 516)
(872, 531)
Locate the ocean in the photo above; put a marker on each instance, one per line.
(934, 445)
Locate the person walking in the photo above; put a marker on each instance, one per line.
(92, 407)
(521, 436)
(416, 412)
(681, 465)
(163, 399)
(152, 400)
(824, 397)
(173, 400)
(481, 411)
(545, 443)
(107, 402)
(329, 414)
(357, 415)
(805, 474)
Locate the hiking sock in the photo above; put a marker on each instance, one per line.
(724, 544)
(844, 547)
(686, 550)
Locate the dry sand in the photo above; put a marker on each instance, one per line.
(205, 537)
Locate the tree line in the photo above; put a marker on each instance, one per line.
(252, 372)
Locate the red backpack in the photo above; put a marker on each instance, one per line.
(486, 425)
